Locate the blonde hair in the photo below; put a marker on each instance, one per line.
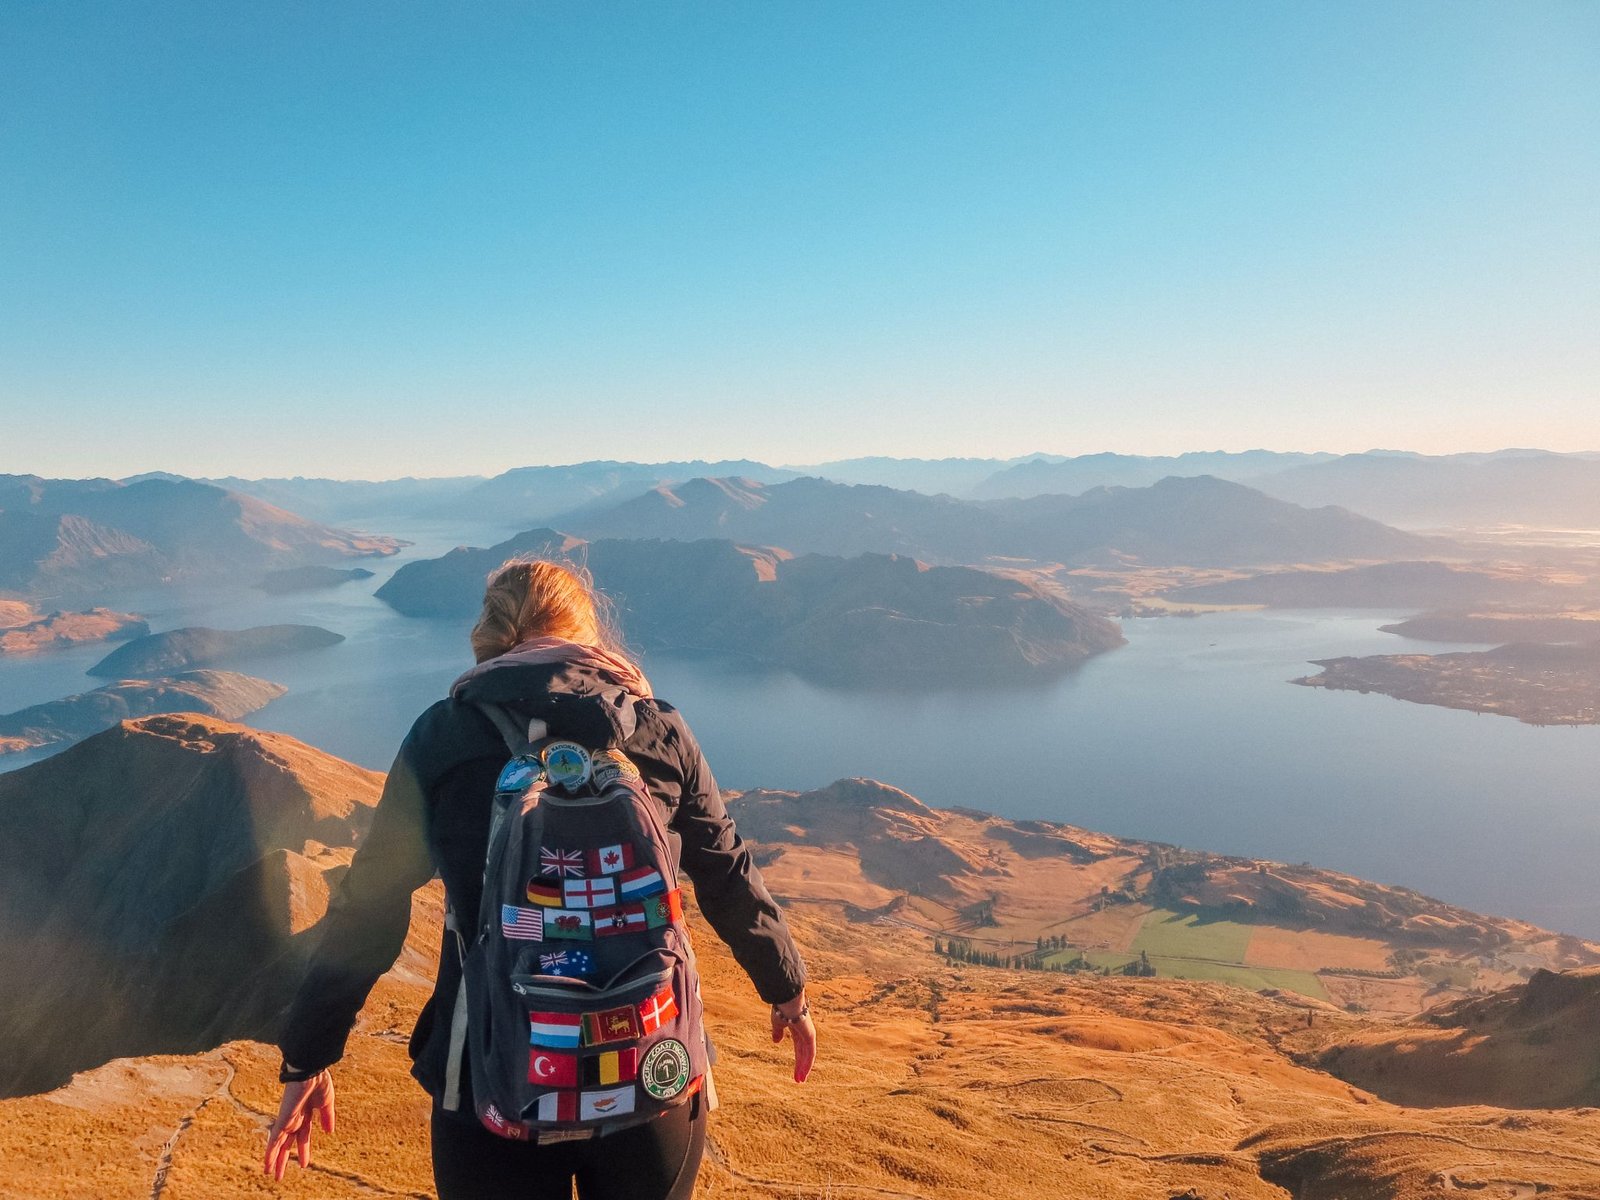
(529, 598)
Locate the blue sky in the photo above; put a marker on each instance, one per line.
(384, 238)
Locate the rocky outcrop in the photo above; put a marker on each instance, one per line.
(221, 694)
(197, 646)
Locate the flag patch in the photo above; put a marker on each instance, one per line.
(569, 923)
(614, 1066)
(558, 1106)
(610, 860)
(496, 1123)
(612, 1025)
(548, 1069)
(594, 1106)
(664, 909)
(560, 862)
(524, 923)
(589, 893)
(658, 1010)
(641, 882)
(547, 894)
(563, 1030)
(573, 964)
(625, 918)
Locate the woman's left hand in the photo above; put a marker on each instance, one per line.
(795, 1018)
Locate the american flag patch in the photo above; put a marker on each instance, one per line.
(524, 923)
(567, 863)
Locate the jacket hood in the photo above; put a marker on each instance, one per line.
(579, 692)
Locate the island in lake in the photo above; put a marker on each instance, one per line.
(197, 646)
(1537, 683)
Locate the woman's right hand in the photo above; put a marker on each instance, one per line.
(795, 1018)
(303, 1102)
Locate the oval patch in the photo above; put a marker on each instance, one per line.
(665, 1070)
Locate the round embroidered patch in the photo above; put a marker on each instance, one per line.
(567, 764)
(665, 1071)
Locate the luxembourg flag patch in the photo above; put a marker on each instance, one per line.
(561, 1030)
(641, 882)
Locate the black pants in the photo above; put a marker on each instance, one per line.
(654, 1161)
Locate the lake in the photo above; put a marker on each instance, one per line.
(1190, 734)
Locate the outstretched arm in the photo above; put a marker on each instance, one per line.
(735, 900)
(363, 933)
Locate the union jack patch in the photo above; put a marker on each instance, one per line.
(567, 863)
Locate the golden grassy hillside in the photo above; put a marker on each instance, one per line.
(936, 1078)
(934, 1081)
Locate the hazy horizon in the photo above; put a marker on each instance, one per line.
(26, 468)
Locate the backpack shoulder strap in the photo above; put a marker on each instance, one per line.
(518, 740)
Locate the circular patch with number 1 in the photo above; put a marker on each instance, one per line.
(665, 1071)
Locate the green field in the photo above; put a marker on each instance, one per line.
(1188, 935)
(1191, 946)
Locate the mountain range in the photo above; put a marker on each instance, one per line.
(77, 537)
(1199, 521)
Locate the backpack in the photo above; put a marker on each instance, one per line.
(579, 989)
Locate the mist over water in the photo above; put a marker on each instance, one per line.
(1190, 734)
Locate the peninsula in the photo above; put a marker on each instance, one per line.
(1538, 683)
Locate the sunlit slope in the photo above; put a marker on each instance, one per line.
(937, 1079)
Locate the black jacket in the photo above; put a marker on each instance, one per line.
(434, 817)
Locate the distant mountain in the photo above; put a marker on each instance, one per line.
(1521, 487)
(158, 888)
(54, 553)
(527, 496)
(810, 516)
(362, 502)
(196, 646)
(78, 536)
(221, 694)
(1040, 476)
(931, 476)
(873, 619)
(1392, 585)
(1199, 521)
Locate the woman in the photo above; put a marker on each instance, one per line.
(541, 644)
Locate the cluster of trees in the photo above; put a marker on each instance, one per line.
(962, 950)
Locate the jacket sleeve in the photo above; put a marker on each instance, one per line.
(365, 927)
(728, 884)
